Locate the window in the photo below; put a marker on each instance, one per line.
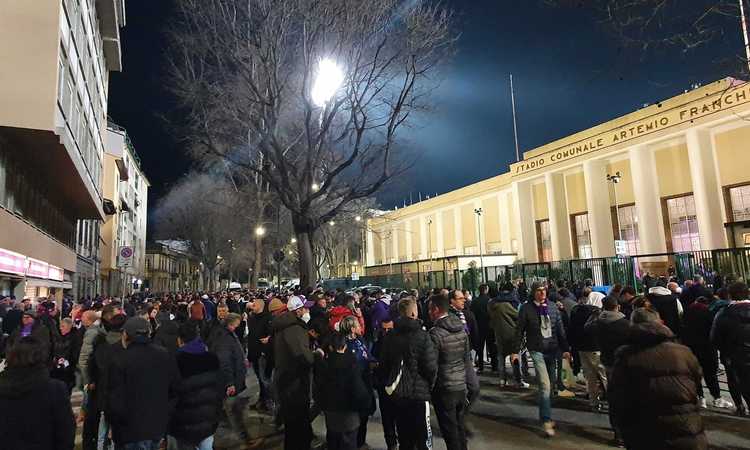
(683, 224)
(544, 240)
(739, 200)
(626, 218)
(582, 236)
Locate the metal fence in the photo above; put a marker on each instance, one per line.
(625, 270)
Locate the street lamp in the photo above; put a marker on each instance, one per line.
(358, 218)
(615, 179)
(478, 212)
(327, 82)
(260, 231)
(294, 240)
(332, 223)
(315, 187)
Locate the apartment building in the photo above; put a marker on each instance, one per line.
(56, 57)
(170, 268)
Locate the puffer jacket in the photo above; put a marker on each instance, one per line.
(530, 328)
(291, 349)
(453, 353)
(654, 370)
(503, 317)
(665, 303)
(409, 344)
(731, 333)
(199, 394)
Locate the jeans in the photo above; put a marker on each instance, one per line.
(595, 374)
(234, 408)
(544, 366)
(140, 445)
(205, 444)
(449, 408)
(103, 441)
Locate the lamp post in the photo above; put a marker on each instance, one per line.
(478, 212)
(429, 249)
(615, 179)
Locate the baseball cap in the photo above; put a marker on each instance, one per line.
(296, 303)
(137, 326)
(205, 297)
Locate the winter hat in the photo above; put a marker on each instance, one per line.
(536, 285)
(276, 305)
(296, 303)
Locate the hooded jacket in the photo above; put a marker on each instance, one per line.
(453, 353)
(380, 312)
(36, 411)
(654, 371)
(503, 317)
(231, 356)
(291, 349)
(696, 331)
(410, 344)
(610, 330)
(731, 333)
(259, 326)
(666, 304)
(580, 338)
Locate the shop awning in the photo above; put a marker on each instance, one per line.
(36, 282)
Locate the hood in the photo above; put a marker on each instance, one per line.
(451, 323)
(407, 325)
(595, 299)
(385, 299)
(284, 321)
(113, 336)
(504, 297)
(611, 316)
(649, 334)
(18, 382)
(659, 290)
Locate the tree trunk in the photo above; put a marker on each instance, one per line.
(257, 264)
(307, 276)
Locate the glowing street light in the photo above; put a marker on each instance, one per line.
(315, 187)
(294, 240)
(260, 231)
(328, 80)
(332, 223)
(358, 218)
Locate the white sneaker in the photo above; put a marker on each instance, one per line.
(703, 403)
(565, 394)
(524, 385)
(723, 403)
(549, 429)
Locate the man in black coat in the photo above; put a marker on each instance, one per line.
(666, 303)
(199, 392)
(454, 355)
(485, 335)
(259, 350)
(142, 382)
(584, 342)
(408, 355)
(228, 349)
(731, 335)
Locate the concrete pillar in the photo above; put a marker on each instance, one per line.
(706, 189)
(647, 200)
(559, 223)
(424, 237)
(505, 214)
(458, 227)
(409, 239)
(370, 258)
(439, 234)
(394, 243)
(597, 203)
(524, 216)
(479, 228)
(384, 246)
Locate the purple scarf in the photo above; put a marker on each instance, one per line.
(26, 330)
(541, 309)
(194, 347)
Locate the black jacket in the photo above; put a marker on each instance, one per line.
(166, 334)
(199, 395)
(579, 338)
(409, 344)
(142, 380)
(337, 386)
(654, 371)
(696, 331)
(36, 411)
(225, 345)
(479, 308)
(529, 327)
(731, 333)
(105, 347)
(610, 330)
(453, 353)
(665, 303)
(259, 326)
(39, 331)
(67, 347)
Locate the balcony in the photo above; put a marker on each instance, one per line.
(111, 18)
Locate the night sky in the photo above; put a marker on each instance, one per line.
(569, 74)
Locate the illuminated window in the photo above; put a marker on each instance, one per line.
(739, 198)
(544, 240)
(683, 224)
(582, 236)
(626, 218)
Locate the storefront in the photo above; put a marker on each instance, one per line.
(26, 277)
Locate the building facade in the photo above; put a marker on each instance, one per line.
(53, 100)
(126, 187)
(170, 268)
(671, 177)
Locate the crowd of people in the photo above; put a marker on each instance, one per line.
(167, 369)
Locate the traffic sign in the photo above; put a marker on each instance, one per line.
(125, 256)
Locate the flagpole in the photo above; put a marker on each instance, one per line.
(744, 32)
(515, 127)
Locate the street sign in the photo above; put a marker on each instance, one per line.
(621, 248)
(355, 276)
(125, 257)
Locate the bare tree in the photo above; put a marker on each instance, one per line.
(255, 84)
(648, 25)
